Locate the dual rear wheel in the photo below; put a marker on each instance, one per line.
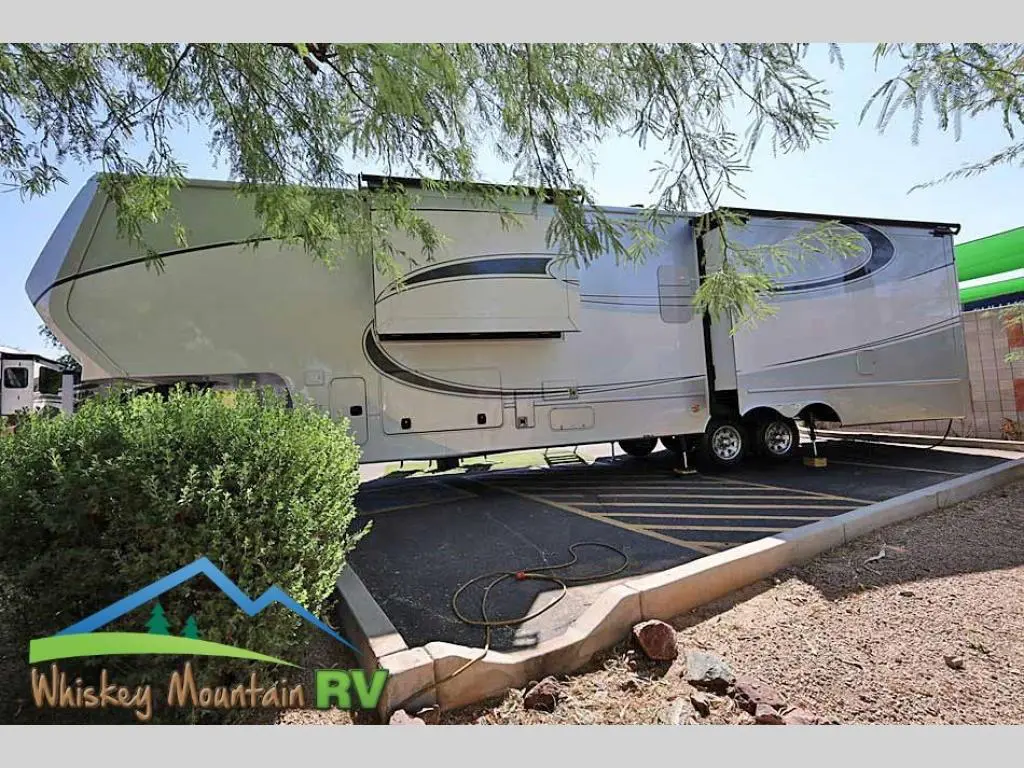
(726, 440)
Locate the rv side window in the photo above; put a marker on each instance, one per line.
(49, 381)
(15, 378)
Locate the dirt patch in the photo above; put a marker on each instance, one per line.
(931, 631)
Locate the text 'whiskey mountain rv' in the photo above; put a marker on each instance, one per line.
(498, 344)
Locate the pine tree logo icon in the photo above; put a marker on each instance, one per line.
(158, 624)
(191, 628)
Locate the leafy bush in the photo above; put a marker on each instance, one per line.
(99, 504)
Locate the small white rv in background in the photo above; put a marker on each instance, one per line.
(499, 344)
(31, 382)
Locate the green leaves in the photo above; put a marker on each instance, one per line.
(955, 80)
(131, 488)
(294, 121)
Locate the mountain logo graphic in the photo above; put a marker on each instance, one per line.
(82, 639)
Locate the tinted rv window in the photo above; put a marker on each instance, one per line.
(49, 381)
(16, 378)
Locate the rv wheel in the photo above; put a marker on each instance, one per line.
(724, 443)
(640, 446)
(778, 438)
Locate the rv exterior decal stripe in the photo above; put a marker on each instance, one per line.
(481, 266)
(882, 251)
(943, 325)
(504, 265)
(143, 259)
(855, 385)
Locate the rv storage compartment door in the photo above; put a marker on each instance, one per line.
(348, 399)
(483, 279)
(443, 402)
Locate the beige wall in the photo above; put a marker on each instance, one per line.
(997, 387)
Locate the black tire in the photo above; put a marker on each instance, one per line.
(639, 447)
(724, 443)
(673, 443)
(777, 438)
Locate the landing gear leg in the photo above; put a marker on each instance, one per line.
(684, 462)
(814, 460)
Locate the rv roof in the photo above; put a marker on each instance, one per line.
(374, 181)
(771, 214)
(21, 354)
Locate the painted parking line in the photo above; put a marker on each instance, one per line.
(694, 495)
(721, 528)
(618, 486)
(632, 505)
(895, 468)
(674, 516)
(817, 494)
(693, 546)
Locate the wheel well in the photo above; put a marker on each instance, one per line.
(819, 412)
(761, 413)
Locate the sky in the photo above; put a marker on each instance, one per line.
(856, 172)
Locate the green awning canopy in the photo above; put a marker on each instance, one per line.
(992, 255)
(991, 269)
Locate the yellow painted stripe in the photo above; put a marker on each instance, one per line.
(735, 529)
(711, 506)
(817, 494)
(669, 486)
(714, 546)
(675, 516)
(898, 469)
(601, 519)
(690, 496)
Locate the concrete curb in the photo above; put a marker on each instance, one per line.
(899, 437)
(364, 623)
(608, 620)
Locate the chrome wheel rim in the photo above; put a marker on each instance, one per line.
(726, 442)
(778, 438)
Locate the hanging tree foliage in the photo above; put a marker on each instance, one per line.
(289, 116)
(957, 81)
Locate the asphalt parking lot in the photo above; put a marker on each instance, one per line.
(433, 533)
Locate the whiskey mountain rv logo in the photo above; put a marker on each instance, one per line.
(345, 689)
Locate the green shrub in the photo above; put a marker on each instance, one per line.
(99, 504)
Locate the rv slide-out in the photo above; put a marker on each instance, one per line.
(497, 343)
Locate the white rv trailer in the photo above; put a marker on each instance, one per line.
(31, 382)
(498, 344)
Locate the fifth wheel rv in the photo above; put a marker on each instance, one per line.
(499, 344)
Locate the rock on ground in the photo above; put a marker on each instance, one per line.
(800, 716)
(701, 702)
(748, 693)
(656, 639)
(401, 717)
(767, 715)
(544, 696)
(706, 670)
